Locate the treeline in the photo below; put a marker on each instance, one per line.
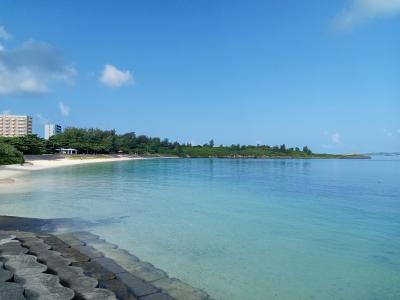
(96, 141)
(10, 155)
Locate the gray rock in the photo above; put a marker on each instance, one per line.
(157, 296)
(99, 294)
(67, 273)
(30, 239)
(36, 246)
(11, 290)
(5, 235)
(5, 238)
(131, 263)
(95, 270)
(89, 251)
(55, 243)
(12, 248)
(110, 265)
(44, 286)
(52, 259)
(74, 278)
(23, 264)
(118, 287)
(82, 284)
(37, 249)
(5, 275)
(74, 255)
(136, 286)
(121, 256)
(180, 290)
(144, 270)
(22, 234)
(70, 239)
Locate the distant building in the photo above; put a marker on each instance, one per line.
(14, 125)
(68, 151)
(51, 129)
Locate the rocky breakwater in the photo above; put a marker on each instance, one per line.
(80, 266)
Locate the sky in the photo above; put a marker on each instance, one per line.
(320, 73)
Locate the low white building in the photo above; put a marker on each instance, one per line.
(51, 129)
(68, 151)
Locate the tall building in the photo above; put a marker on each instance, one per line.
(51, 129)
(14, 126)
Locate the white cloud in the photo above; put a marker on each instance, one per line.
(31, 68)
(4, 34)
(361, 11)
(388, 133)
(391, 133)
(42, 120)
(114, 78)
(336, 138)
(5, 112)
(32, 85)
(64, 109)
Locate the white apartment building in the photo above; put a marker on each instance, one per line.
(51, 129)
(14, 125)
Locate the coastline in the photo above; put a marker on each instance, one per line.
(114, 270)
(10, 174)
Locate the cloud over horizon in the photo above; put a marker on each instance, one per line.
(113, 77)
(31, 68)
(4, 34)
(362, 11)
(64, 109)
(336, 138)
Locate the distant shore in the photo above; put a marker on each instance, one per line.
(312, 156)
(9, 174)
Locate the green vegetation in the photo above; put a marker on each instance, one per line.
(10, 155)
(29, 144)
(96, 141)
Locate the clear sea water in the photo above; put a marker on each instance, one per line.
(240, 229)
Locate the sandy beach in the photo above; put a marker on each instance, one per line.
(10, 174)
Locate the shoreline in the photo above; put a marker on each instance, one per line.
(135, 276)
(10, 174)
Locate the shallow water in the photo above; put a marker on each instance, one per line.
(240, 229)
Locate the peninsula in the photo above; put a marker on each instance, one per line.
(96, 141)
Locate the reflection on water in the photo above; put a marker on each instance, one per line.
(240, 229)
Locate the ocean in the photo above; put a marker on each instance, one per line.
(239, 228)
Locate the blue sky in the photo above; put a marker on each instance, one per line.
(320, 73)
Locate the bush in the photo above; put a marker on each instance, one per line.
(9, 155)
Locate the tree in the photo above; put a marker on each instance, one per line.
(28, 144)
(306, 150)
(10, 155)
(211, 143)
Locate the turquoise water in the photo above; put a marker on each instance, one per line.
(240, 229)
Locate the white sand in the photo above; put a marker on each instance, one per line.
(10, 174)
